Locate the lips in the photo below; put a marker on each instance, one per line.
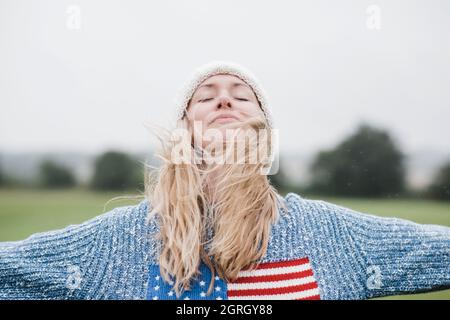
(224, 118)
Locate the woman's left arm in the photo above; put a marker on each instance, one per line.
(400, 256)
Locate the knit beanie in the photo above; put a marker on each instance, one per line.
(221, 67)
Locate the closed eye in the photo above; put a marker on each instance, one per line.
(207, 99)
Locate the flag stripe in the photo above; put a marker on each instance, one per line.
(316, 297)
(272, 284)
(313, 293)
(274, 271)
(267, 291)
(280, 264)
(275, 277)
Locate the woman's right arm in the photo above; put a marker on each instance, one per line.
(47, 265)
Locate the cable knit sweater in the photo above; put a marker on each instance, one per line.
(316, 250)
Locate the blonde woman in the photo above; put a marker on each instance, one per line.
(212, 227)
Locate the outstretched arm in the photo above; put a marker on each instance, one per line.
(46, 265)
(400, 256)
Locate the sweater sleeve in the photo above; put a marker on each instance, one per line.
(399, 256)
(48, 265)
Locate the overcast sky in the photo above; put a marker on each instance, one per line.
(87, 75)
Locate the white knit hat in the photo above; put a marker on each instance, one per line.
(221, 67)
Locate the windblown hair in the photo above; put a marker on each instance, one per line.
(219, 213)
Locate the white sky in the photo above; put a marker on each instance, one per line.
(93, 88)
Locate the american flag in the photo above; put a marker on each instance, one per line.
(282, 280)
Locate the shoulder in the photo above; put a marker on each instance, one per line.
(321, 222)
(320, 210)
(307, 224)
(123, 218)
(316, 211)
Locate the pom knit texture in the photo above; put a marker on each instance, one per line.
(110, 256)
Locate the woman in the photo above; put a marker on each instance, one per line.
(211, 228)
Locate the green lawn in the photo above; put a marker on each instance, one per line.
(23, 212)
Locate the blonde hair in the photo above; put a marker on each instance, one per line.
(234, 201)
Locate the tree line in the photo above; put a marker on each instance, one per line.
(113, 170)
(368, 163)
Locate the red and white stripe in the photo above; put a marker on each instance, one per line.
(284, 280)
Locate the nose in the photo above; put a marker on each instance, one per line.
(224, 101)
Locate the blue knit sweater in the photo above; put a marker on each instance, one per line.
(330, 252)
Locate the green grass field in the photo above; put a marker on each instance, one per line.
(24, 212)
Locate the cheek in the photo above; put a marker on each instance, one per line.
(251, 110)
(198, 113)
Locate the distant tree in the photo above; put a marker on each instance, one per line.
(2, 179)
(2, 176)
(116, 171)
(55, 176)
(367, 163)
(440, 187)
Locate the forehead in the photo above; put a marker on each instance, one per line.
(222, 80)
